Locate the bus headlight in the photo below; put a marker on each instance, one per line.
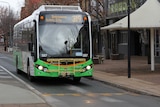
(88, 67)
(40, 68)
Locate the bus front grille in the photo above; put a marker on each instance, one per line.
(66, 61)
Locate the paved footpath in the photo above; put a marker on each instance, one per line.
(132, 84)
(143, 80)
(16, 93)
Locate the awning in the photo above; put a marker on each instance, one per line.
(147, 16)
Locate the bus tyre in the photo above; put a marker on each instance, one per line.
(76, 79)
(17, 70)
(31, 78)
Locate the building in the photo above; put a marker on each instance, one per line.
(117, 41)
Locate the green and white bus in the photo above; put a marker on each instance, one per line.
(55, 41)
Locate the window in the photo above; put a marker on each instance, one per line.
(123, 38)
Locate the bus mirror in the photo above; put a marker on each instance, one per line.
(30, 46)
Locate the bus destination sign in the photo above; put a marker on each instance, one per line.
(64, 18)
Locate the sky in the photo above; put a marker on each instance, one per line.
(13, 4)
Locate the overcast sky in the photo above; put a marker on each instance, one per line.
(13, 4)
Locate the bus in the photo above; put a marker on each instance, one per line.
(54, 41)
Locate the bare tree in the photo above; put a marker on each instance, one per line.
(31, 5)
(63, 2)
(7, 21)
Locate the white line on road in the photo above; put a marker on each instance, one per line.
(3, 57)
(111, 100)
(77, 89)
(3, 73)
(5, 77)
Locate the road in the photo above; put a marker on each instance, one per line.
(87, 93)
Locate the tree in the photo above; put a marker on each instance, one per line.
(96, 8)
(7, 21)
(63, 2)
(31, 5)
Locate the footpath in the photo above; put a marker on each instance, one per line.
(142, 81)
(16, 93)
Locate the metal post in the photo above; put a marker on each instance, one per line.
(129, 44)
(97, 26)
(89, 7)
(152, 50)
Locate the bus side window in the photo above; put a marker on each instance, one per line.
(30, 46)
(30, 42)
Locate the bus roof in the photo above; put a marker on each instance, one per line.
(51, 8)
(58, 8)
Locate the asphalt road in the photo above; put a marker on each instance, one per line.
(87, 93)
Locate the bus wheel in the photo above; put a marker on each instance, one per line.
(31, 78)
(76, 79)
(17, 70)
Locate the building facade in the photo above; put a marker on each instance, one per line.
(117, 41)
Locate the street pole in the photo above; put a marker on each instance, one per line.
(129, 42)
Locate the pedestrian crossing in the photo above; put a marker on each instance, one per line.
(4, 74)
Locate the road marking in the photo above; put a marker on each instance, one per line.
(106, 94)
(3, 73)
(77, 89)
(86, 94)
(111, 100)
(62, 94)
(3, 57)
(5, 77)
(55, 102)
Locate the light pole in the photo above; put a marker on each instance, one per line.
(129, 42)
(9, 23)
